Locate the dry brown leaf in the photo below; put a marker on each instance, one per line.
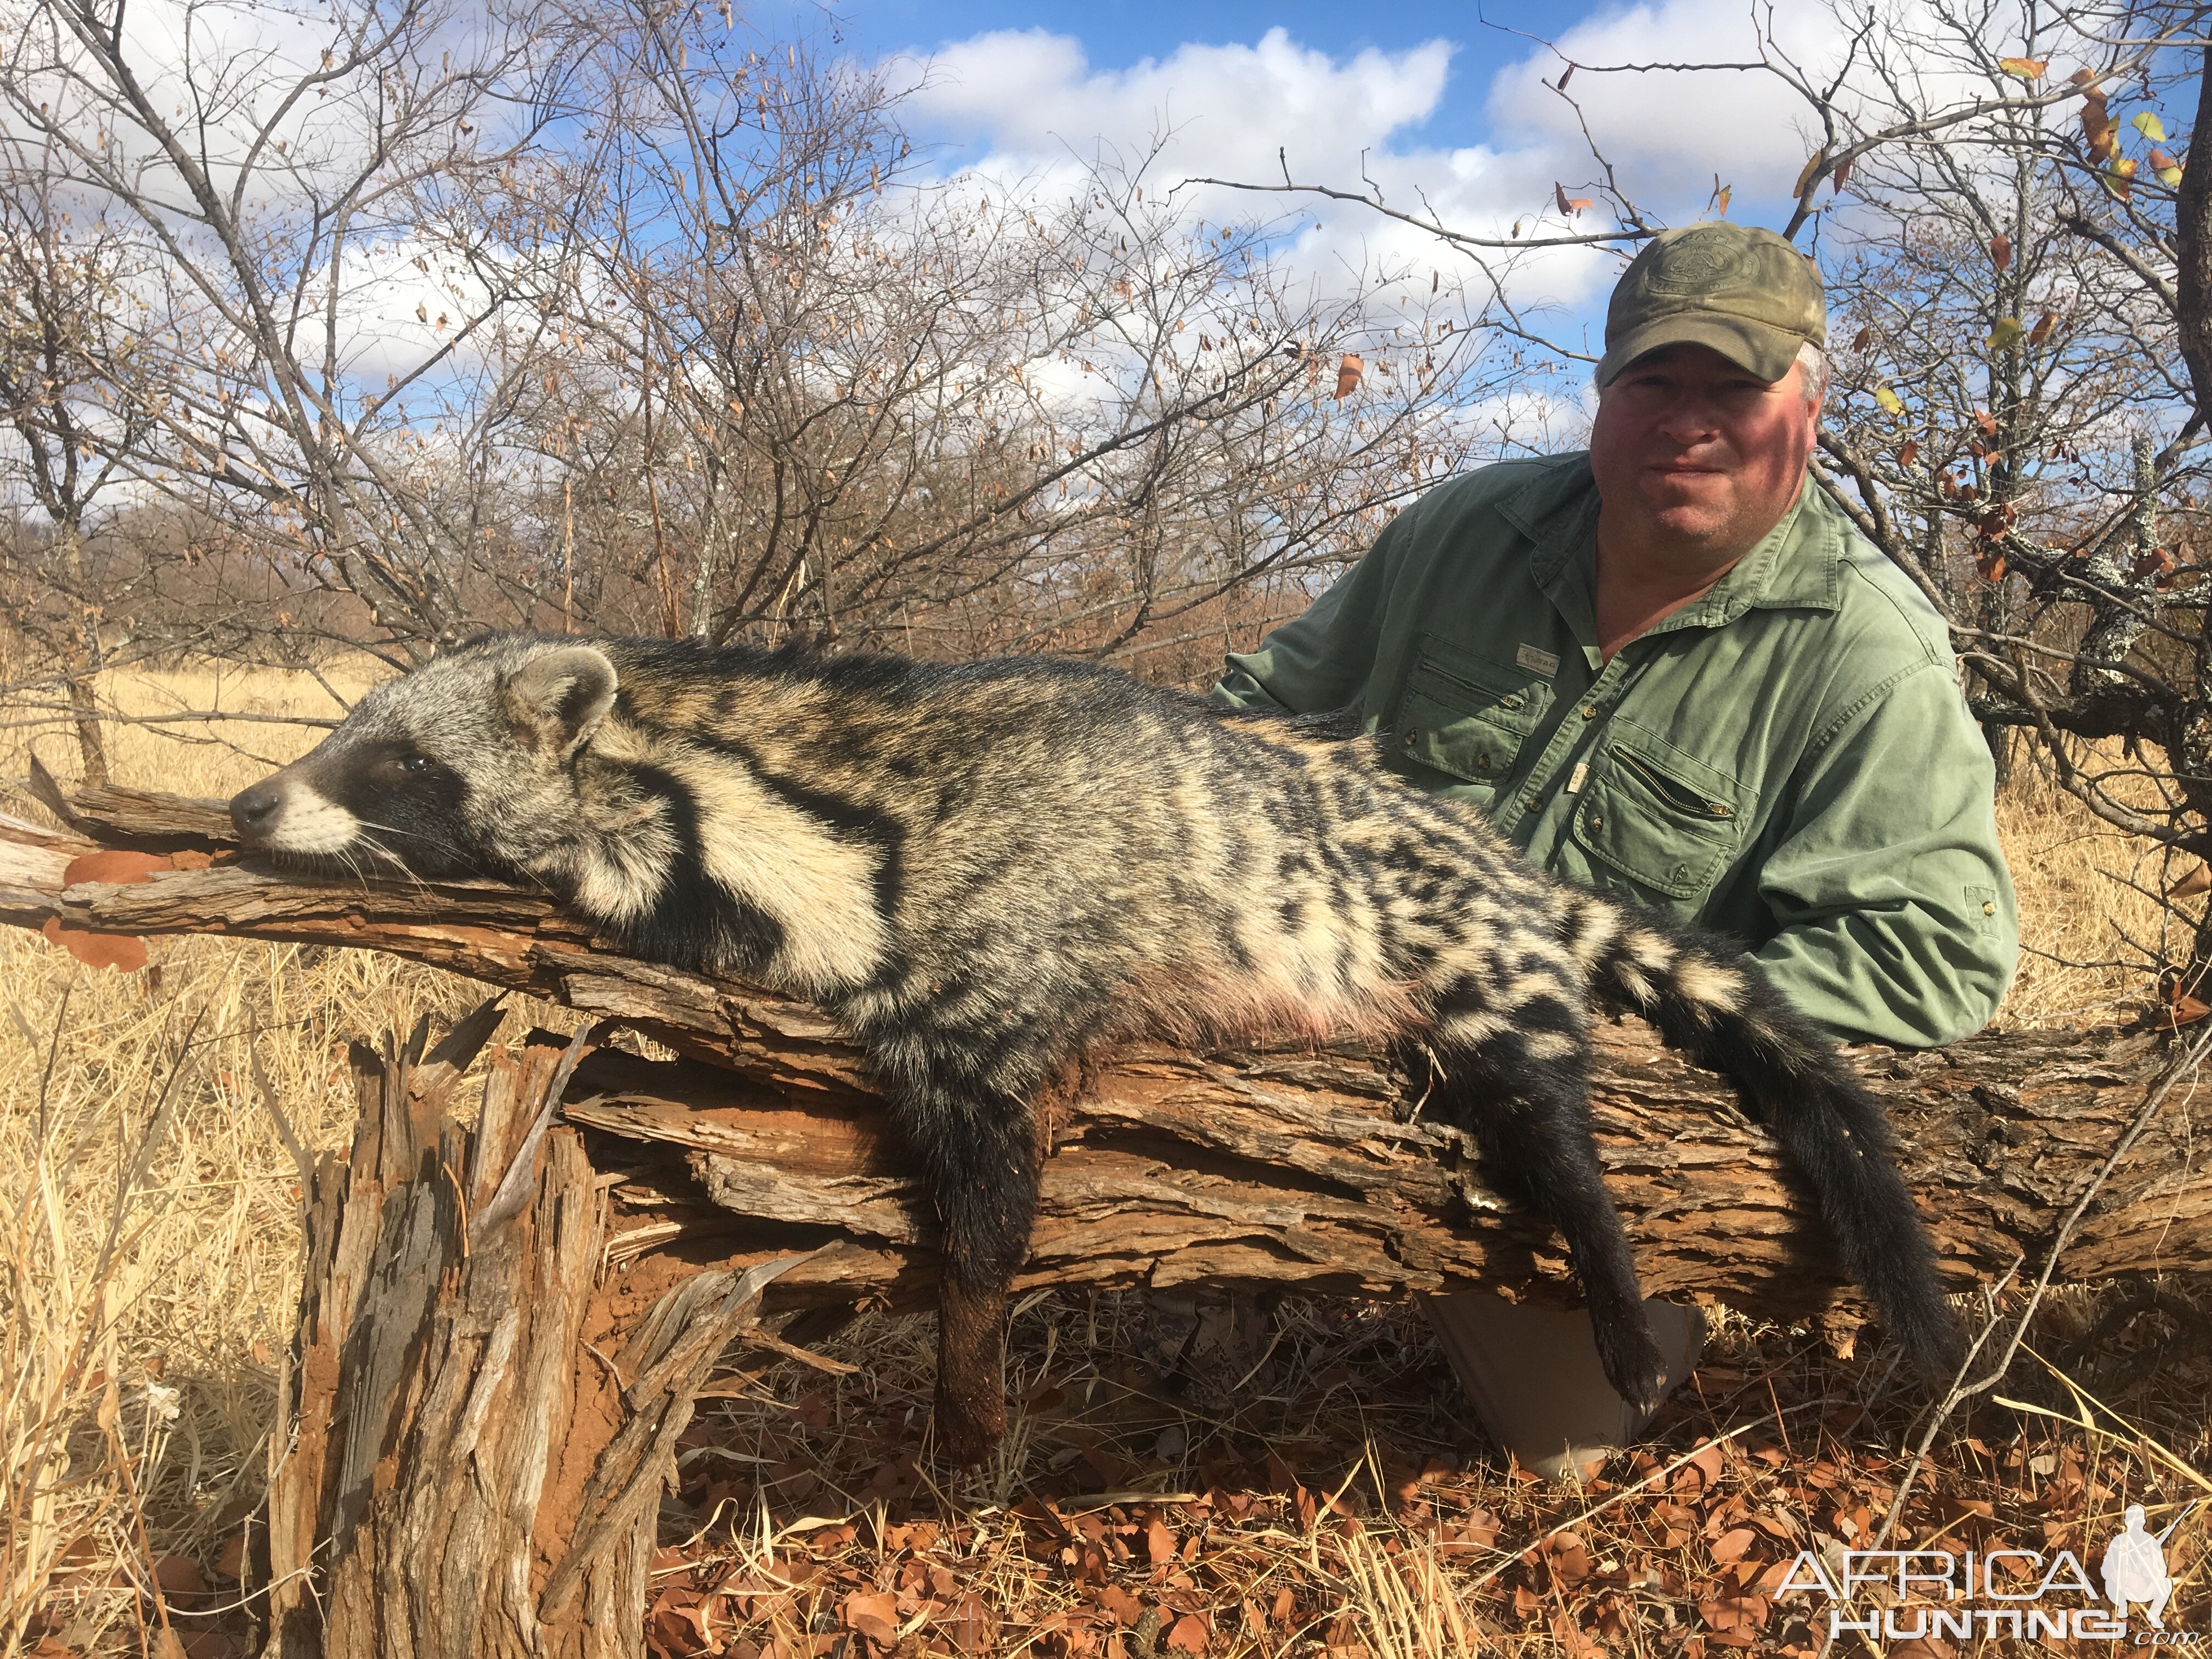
(1734, 1545)
(2197, 878)
(1348, 372)
(120, 952)
(1160, 1544)
(178, 1575)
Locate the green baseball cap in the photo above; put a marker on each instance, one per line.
(1747, 293)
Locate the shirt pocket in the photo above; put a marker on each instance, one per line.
(1663, 818)
(1466, 714)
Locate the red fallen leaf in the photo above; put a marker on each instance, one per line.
(1284, 1602)
(1771, 1580)
(2183, 1009)
(1045, 1515)
(875, 1617)
(178, 1575)
(1119, 1606)
(1190, 1634)
(121, 869)
(120, 952)
(1348, 372)
(2001, 252)
(972, 1627)
(1733, 1546)
(1160, 1544)
(1570, 1559)
(1706, 1461)
(814, 1409)
(230, 1561)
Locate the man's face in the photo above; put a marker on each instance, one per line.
(1696, 452)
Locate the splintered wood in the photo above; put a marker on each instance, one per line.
(475, 1438)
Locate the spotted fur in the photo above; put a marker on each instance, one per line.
(987, 871)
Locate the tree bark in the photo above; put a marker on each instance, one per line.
(1286, 1167)
(478, 1429)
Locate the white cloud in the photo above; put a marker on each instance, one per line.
(1042, 114)
(1669, 131)
(1038, 111)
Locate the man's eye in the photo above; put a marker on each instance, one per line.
(414, 762)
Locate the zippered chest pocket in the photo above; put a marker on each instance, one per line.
(1664, 818)
(1467, 714)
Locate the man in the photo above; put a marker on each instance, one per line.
(1669, 668)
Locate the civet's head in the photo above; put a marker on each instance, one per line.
(461, 767)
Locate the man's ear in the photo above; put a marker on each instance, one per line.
(560, 696)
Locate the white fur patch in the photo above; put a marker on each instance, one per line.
(307, 822)
(619, 877)
(819, 886)
(1472, 1028)
(1599, 925)
(1709, 984)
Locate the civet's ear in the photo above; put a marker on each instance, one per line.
(560, 696)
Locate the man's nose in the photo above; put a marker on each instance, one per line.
(1689, 416)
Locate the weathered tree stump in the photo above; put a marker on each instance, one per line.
(477, 1430)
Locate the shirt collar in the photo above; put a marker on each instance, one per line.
(1797, 565)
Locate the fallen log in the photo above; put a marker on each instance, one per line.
(1286, 1168)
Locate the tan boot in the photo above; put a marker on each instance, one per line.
(1532, 1377)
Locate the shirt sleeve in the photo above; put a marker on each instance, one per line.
(1322, 659)
(1897, 920)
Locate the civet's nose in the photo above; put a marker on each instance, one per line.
(254, 811)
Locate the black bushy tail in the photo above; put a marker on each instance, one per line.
(1709, 1002)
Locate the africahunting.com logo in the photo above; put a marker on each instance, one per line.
(2028, 1593)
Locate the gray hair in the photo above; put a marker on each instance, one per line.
(1814, 382)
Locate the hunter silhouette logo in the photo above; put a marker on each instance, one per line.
(2134, 1567)
(1920, 1592)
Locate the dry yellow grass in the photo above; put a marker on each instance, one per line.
(148, 1219)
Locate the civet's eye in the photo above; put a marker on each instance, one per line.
(414, 762)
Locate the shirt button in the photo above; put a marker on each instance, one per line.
(1589, 711)
(1409, 738)
(1595, 821)
(1482, 762)
(1988, 909)
(1529, 801)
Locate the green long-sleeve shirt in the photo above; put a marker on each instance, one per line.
(1788, 760)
